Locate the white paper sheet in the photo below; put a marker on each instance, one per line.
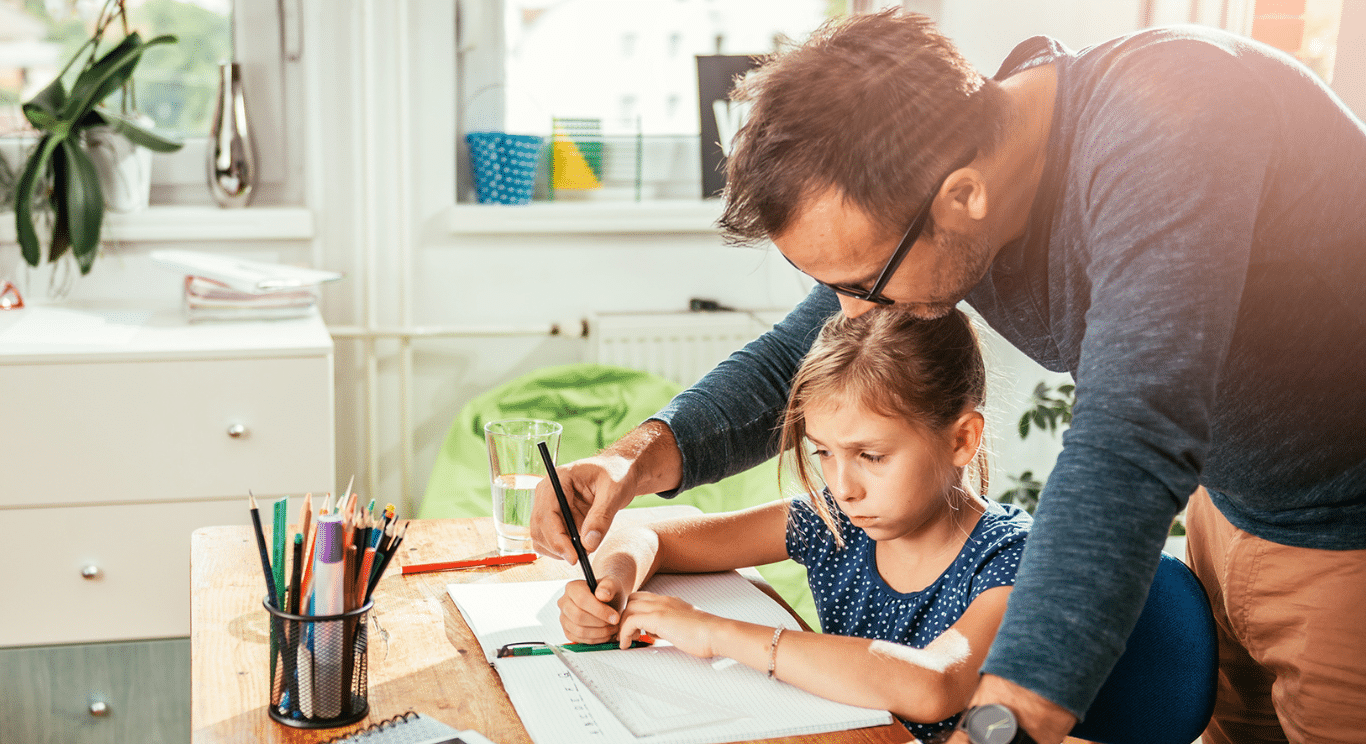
(716, 700)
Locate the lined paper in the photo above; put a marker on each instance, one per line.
(710, 700)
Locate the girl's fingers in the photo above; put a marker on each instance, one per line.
(585, 619)
(630, 630)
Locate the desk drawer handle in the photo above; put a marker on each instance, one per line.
(90, 573)
(99, 709)
(237, 431)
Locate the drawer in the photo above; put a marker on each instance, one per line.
(75, 433)
(47, 694)
(142, 553)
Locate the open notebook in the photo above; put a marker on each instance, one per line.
(657, 694)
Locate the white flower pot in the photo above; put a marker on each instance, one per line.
(124, 169)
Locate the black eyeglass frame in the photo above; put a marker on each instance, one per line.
(922, 216)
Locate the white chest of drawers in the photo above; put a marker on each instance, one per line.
(121, 432)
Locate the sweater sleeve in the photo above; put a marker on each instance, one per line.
(727, 422)
(1169, 180)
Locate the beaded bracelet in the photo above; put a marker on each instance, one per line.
(773, 651)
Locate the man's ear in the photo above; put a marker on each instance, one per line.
(962, 200)
(967, 438)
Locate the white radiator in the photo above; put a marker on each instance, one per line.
(678, 346)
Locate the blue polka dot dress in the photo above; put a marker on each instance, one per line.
(853, 600)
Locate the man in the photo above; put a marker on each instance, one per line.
(1174, 217)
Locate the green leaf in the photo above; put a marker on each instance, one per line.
(84, 205)
(37, 165)
(1024, 425)
(139, 134)
(88, 83)
(42, 110)
(108, 74)
(61, 230)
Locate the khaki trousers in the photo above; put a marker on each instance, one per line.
(1292, 634)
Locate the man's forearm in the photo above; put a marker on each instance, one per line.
(649, 457)
(1045, 722)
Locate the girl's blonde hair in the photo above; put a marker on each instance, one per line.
(925, 372)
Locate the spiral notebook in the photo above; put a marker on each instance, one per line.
(410, 728)
(658, 694)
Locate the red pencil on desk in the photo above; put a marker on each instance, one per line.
(497, 560)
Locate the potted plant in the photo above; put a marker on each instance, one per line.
(1050, 410)
(60, 160)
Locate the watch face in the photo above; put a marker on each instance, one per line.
(990, 724)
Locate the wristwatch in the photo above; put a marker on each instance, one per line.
(992, 724)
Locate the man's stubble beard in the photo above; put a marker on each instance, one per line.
(964, 261)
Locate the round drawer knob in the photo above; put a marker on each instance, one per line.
(91, 573)
(99, 709)
(237, 431)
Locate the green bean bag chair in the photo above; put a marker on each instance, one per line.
(596, 404)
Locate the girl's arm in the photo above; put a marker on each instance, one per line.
(700, 544)
(924, 685)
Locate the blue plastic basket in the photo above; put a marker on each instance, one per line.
(504, 166)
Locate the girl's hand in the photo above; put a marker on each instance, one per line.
(690, 629)
(589, 618)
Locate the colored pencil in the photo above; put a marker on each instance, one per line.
(306, 531)
(497, 560)
(278, 529)
(367, 564)
(578, 648)
(269, 576)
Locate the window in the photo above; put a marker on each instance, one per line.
(628, 64)
(174, 84)
(572, 58)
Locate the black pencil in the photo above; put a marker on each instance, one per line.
(270, 586)
(265, 554)
(568, 518)
(383, 562)
(292, 627)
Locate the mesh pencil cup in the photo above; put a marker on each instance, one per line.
(319, 672)
(504, 166)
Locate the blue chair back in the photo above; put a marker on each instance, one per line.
(1161, 690)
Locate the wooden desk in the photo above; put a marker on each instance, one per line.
(423, 656)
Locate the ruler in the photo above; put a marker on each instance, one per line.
(643, 705)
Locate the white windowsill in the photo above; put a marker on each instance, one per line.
(173, 223)
(681, 216)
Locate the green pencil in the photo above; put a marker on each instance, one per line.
(574, 647)
(278, 567)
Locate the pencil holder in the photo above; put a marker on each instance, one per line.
(319, 676)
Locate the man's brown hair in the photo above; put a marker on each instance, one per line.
(877, 106)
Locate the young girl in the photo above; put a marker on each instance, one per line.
(909, 565)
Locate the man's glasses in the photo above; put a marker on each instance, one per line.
(922, 216)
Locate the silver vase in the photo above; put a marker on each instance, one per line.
(232, 152)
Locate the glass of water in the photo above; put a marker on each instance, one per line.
(515, 469)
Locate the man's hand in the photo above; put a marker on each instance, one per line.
(1042, 719)
(644, 461)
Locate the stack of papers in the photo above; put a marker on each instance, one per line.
(221, 287)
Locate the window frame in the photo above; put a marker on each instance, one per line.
(268, 39)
